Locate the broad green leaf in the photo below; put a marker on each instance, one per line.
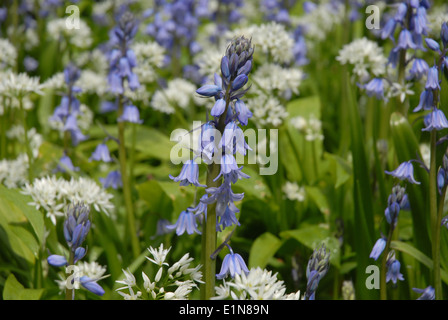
(155, 197)
(15, 215)
(418, 255)
(263, 248)
(254, 186)
(319, 199)
(14, 290)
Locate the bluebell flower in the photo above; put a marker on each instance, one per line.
(30, 63)
(378, 248)
(218, 108)
(101, 153)
(419, 23)
(444, 221)
(239, 81)
(228, 218)
(375, 87)
(405, 41)
(317, 267)
(432, 82)
(426, 101)
(402, 10)
(419, 69)
(113, 179)
(131, 114)
(242, 111)
(76, 226)
(435, 120)
(393, 271)
(222, 195)
(122, 59)
(185, 222)
(65, 163)
(189, 174)
(391, 213)
(427, 294)
(405, 171)
(57, 260)
(389, 29)
(91, 285)
(432, 44)
(444, 34)
(228, 164)
(209, 90)
(232, 264)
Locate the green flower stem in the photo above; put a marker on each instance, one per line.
(435, 223)
(438, 283)
(383, 285)
(29, 152)
(126, 183)
(3, 133)
(69, 293)
(209, 227)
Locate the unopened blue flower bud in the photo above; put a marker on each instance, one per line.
(444, 34)
(225, 71)
(239, 82)
(432, 44)
(209, 90)
(57, 260)
(218, 108)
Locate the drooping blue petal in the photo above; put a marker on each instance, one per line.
(91, 285)
(378, 248)
(57, 260)
(405, 171)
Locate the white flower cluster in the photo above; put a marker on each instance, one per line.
(14, 172)
(19, 85)
(320, 21)
(258, 284)
(267, 110)
(209, 61)
(271, 39)
(53, 194)
(179, 276)
(366, 57)
(9, 54)
(436, 16)
(293, 191)
(78, 37)
(150, 56)
(311, 128)
(272, 77)
(93, 270)
(177, 94)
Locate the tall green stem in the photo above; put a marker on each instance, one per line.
(435, 221)
(126, 183)
(209, 227)
(69, 293)
(29, 153)
(383, 285)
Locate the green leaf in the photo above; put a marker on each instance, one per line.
(319, 199)
(14, 290)
(263, 249)
(155, 197)
(418, 255)
(254, 186)
(16, 218)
